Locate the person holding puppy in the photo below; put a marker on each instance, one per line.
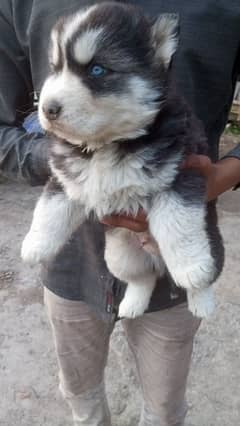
(81, 296)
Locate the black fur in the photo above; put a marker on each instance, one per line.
(125, 49)
(175, 129)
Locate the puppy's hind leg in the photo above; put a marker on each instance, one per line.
(130, 263)
(55, 218)
(137, 296)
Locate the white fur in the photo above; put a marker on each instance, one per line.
(86, 46)
(137, 297)
(180, 231)
(54, 221)
(54, 51)
(74, 22)
(135, 262)
(165, 39)
(85, 118)
(97, 121)
(107, 186)
(57, 217)
(70, 26)
(61, 149)
(129, 262)
(201, 302)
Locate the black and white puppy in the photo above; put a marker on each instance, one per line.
(121, 135)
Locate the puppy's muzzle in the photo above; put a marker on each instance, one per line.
(51, 110)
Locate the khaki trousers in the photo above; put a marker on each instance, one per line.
(161, 343)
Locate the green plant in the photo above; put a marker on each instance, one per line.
(233, 129)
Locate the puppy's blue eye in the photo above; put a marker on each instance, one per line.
(97, 71)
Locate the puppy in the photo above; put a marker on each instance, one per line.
(120, 136)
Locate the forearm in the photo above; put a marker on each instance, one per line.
(225, 176)
(23, 156)
(231, 172)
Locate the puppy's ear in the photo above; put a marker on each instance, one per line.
(164, 38)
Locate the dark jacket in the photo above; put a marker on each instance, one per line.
(206, 67)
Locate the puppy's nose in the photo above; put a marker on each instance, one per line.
(52, 110)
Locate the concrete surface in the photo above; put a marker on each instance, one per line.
(28, 372)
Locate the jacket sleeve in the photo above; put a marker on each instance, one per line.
(22, 155)
(235, 152)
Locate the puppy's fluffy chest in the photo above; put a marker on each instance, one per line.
(107, 181)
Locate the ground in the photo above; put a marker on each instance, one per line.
(28, 372)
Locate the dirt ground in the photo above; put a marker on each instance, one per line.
(28, 372)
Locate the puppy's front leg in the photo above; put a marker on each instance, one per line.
(178, 223)
(54, 220)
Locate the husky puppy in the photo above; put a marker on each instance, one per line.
(120, 136)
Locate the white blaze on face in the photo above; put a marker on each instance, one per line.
(54, 53)
(86, 46)
(74, 23)
(70, 27)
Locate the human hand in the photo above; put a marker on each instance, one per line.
(136, 223)
(220, 177)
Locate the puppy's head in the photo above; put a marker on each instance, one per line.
(109, 67)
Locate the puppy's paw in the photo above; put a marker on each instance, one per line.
(132, 309)
(36, 249)
(201, 302)
(195, 276)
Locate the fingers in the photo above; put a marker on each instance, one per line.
(138, 224)
(202, 163)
